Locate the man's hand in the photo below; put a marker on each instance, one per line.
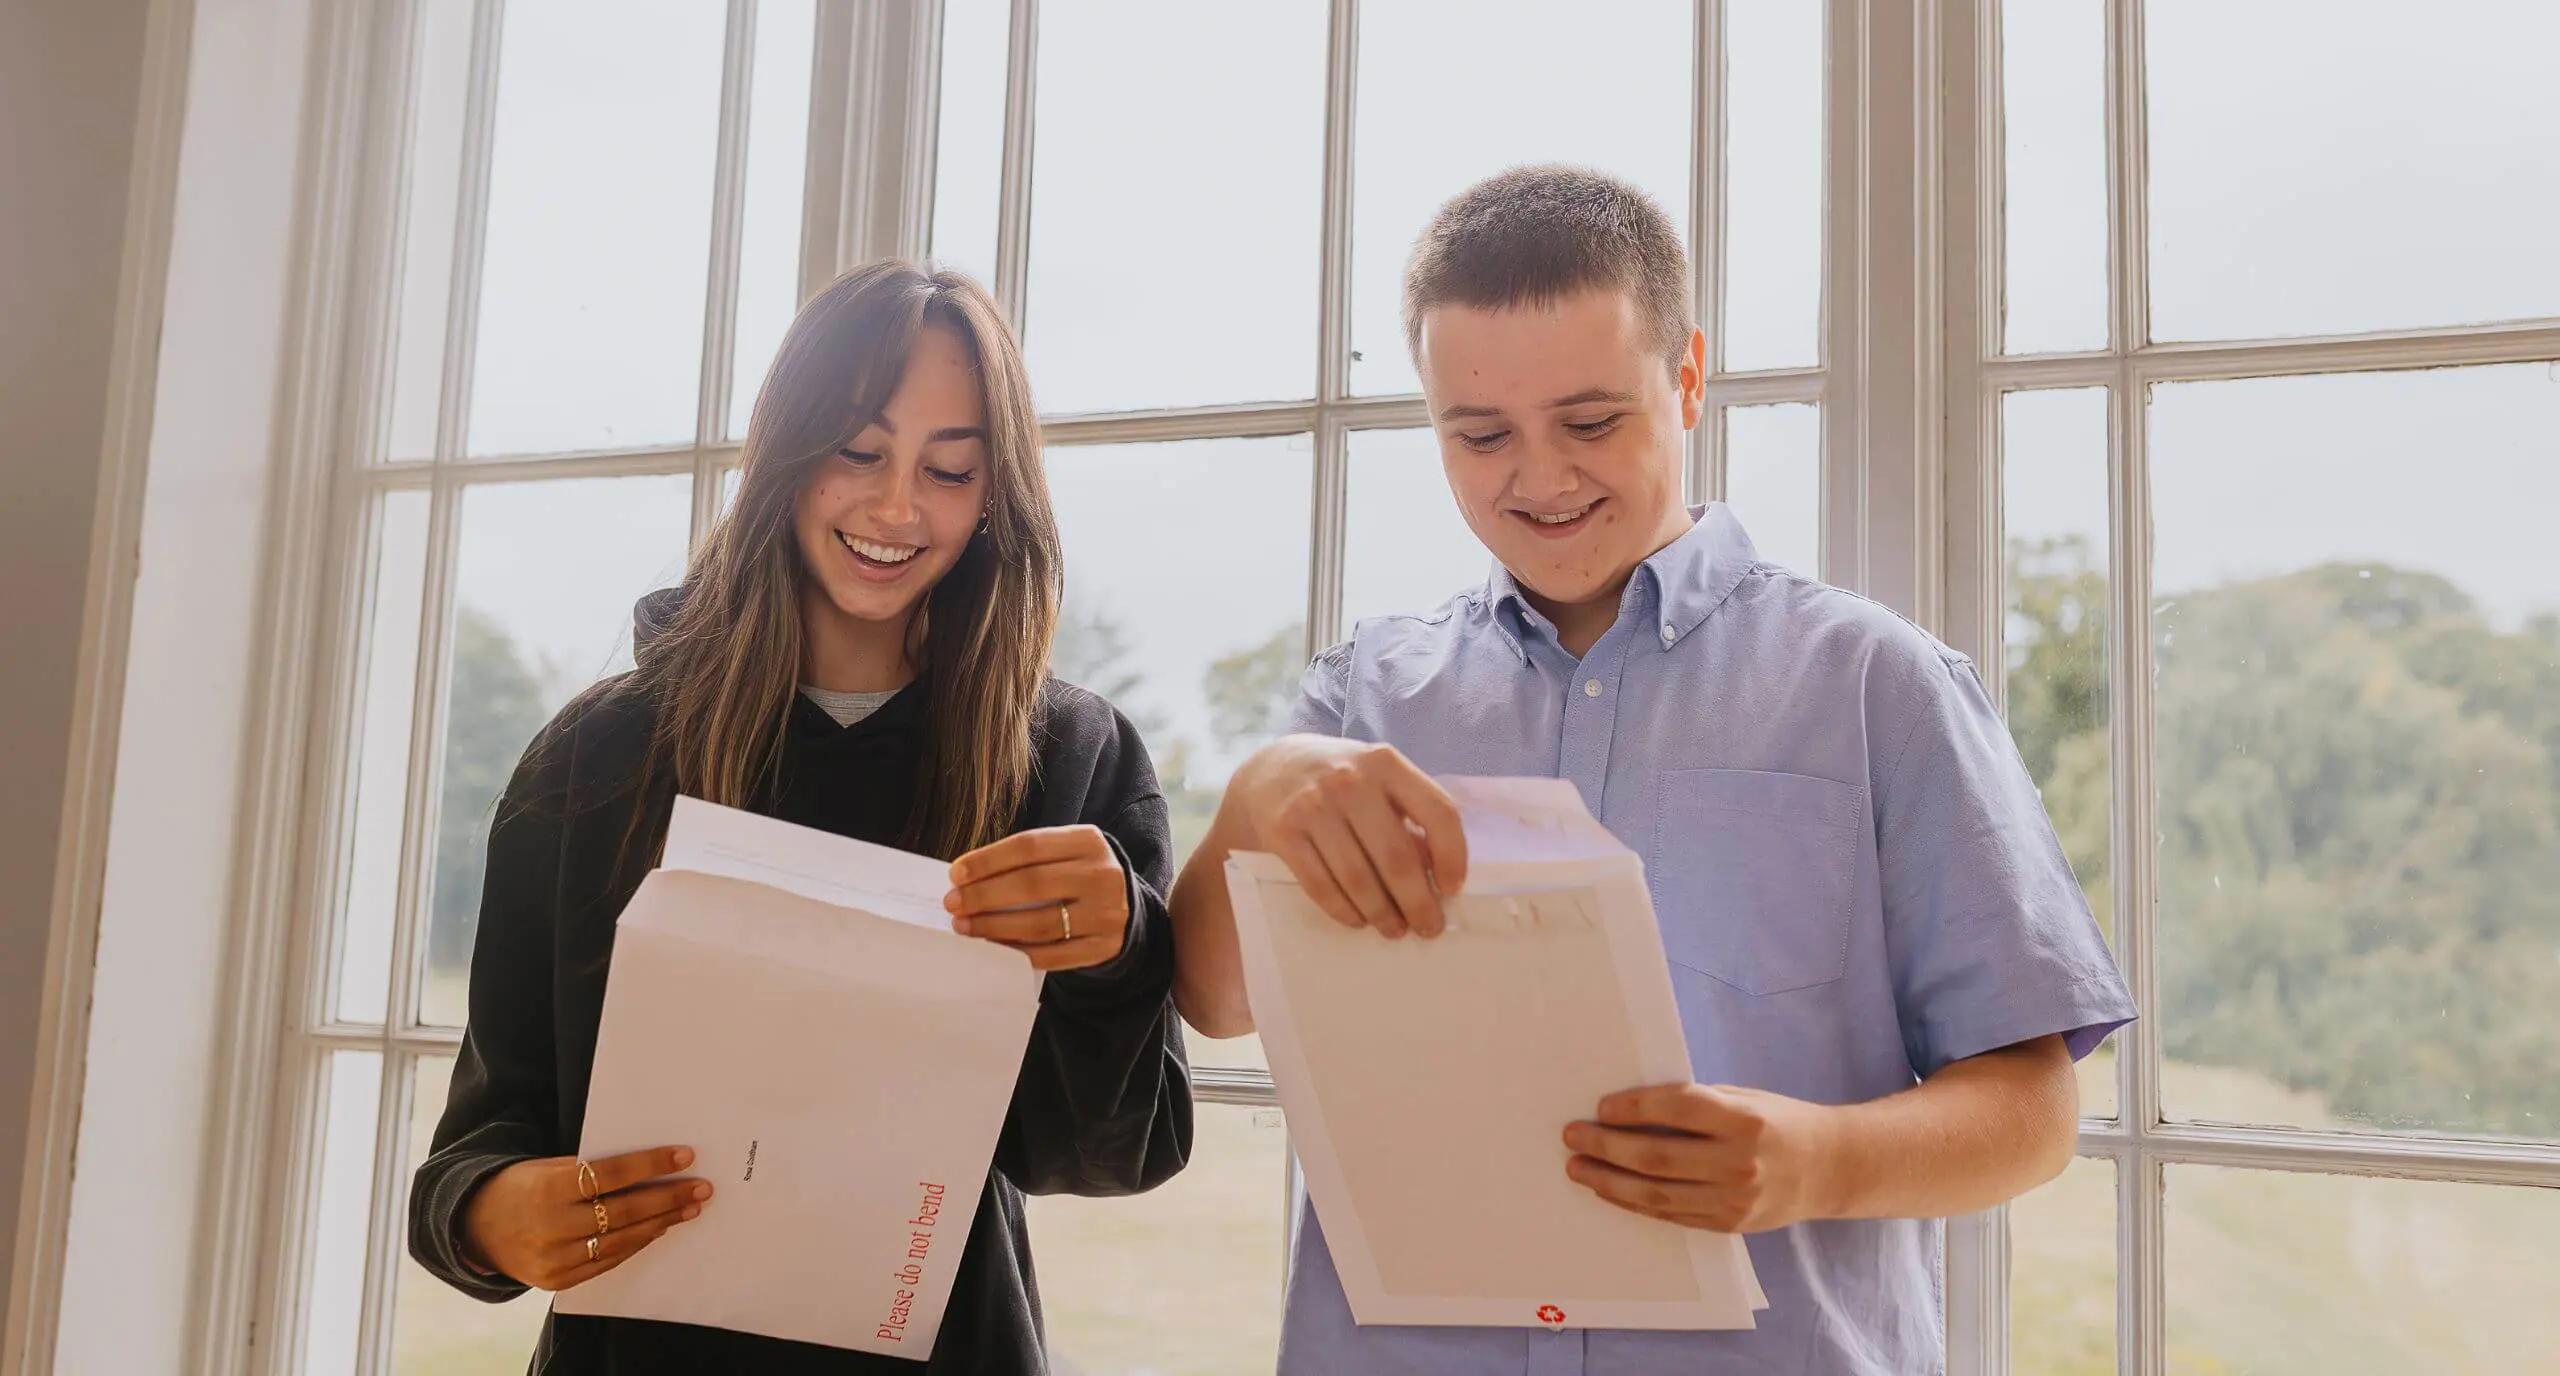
(1369, 836)
(1981, 1130)
(1714, 1157)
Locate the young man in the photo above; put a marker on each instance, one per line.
(1883, 964)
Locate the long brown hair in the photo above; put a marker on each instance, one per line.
(722, 673)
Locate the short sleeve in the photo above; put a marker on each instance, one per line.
(1991, 941)
(1323, 694)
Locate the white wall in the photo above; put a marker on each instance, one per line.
(134, 1205)
(70, 71)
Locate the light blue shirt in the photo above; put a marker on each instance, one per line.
(1855, 880)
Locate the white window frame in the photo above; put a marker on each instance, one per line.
(2140, 1141)
(1908, 384)
(247, 1314)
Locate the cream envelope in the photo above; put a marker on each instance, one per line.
(793, 1006)
(1428, 1083)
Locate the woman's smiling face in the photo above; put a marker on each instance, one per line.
(883, 520)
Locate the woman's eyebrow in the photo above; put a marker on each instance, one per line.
(948, 432)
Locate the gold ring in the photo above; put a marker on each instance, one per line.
(587, 1181)
(1066, 926)
(592, 1244)
(604, 1221)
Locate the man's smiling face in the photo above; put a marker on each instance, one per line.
(1561, 428)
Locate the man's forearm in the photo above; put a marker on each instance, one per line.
(1208, 966)
(1978, 1133)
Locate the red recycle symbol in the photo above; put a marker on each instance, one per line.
(1551, 1316)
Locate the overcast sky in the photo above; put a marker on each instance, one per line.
(2385, 167)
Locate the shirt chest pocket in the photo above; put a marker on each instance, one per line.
(1754, 875)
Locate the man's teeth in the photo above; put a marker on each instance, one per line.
(876, 552)
(1560, 517)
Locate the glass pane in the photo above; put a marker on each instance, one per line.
(437, 1330)
(1408, 548)
(439, 92)
(1183, 1278)
(2359, 1277)
(968, 156)
(2062, 1274)
(2382, 167)
(1773, 184)
(1444, 104)
(2054, 504)
(1196, 629)
(2053, 120)
(599, 241)
(777, 172)
(378, 756)
(1773, 478)
(333, 1317)
(1175, 204)
(2357, 621)
(543, 591)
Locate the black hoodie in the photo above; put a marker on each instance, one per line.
(1102, 1105)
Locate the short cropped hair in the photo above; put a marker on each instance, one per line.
(1534, 235)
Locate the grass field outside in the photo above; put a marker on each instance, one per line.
(2281, 1274)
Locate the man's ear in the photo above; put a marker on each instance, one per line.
(1693, 380)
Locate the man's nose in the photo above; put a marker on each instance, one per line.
(1543, 474)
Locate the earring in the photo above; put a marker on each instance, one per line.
(982, 524)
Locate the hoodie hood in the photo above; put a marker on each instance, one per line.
(652, 617)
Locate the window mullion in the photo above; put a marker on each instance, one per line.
(720, 306)
(471, 232)
(1013, 198)
(1847, 422)
(386, 1216)
(2141, 1272)
(421, 807)
(1707, 233)
(1967, 265)
(1329, 505)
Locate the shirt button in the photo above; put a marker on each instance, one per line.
(1591, 688)
(1668, 634)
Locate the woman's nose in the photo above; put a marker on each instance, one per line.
(895, 502)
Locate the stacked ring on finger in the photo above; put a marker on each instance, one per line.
(595, 1246)
(604, 1221)
(1066, 924)
(587, 1181)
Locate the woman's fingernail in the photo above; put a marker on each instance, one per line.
(702, 1191)
(692, 1212)
(964, 926)
(684, 1157)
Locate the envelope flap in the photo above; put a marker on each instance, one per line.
(793, 930)
(707, 838)
(1528, 820)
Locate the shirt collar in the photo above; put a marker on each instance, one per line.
(1676, 587)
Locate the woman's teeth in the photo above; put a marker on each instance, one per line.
(879, 553)
(1561, 517)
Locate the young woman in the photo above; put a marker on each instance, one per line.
(860, 646)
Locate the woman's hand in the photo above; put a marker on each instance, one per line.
(533, 1221)
(1056, 894)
